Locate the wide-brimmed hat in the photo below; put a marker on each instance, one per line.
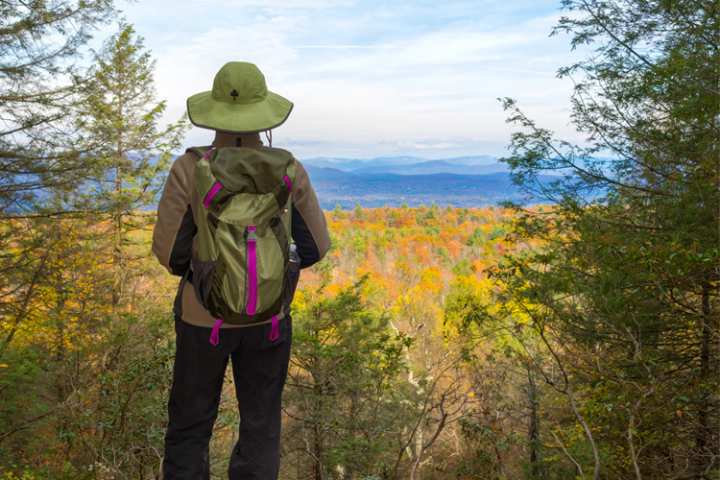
(239, 102)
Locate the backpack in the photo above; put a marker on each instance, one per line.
(242, 210)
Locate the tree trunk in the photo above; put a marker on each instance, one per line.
(317, 418)
(317, 473)
(534, 428)
(703, 432)
(117, 246)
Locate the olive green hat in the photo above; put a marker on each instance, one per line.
(239, 102)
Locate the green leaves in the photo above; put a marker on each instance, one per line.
(41, 47)
(347, 387)
(622, 282)
(119, 119)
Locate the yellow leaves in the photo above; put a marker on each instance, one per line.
(410, 256)
(300, 299)
(430, 281)
(334, 289)
(377, 287)
(479, 265)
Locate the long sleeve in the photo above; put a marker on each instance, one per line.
(175, 227)
(309, 228)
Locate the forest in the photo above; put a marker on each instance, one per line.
(577, 338)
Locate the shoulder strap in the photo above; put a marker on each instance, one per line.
(198, 151)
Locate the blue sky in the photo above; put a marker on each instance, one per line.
(371, 78)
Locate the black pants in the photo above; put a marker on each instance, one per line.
(259, 368)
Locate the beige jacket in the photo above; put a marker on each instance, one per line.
(174, 233)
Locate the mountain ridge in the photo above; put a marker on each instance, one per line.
(346, 189)
(410, 165)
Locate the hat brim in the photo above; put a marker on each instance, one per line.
(206, 112)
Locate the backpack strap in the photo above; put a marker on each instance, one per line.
(283, 190)
(203, 152)
(199, 151)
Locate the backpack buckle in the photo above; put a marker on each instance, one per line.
(250, 234)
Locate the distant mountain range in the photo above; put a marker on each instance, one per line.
(472, 181)
(412, 165)
(393, 181)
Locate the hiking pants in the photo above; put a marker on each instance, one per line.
(259, 368)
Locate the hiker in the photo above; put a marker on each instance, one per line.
(237, 220)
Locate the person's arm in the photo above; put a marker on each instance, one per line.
(175, 227)
(309, 228)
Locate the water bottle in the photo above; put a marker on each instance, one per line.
(294, 256)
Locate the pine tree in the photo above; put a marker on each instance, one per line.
(40, 46)
(344, 393)
(626, 288)
(120, 123)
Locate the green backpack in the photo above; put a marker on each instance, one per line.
(240, 268)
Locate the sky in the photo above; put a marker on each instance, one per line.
(371, 78)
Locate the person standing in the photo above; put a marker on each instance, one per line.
(237, 220)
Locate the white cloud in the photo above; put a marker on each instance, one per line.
(272, 4)
(369, 81)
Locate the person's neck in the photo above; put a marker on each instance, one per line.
(226, 139)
